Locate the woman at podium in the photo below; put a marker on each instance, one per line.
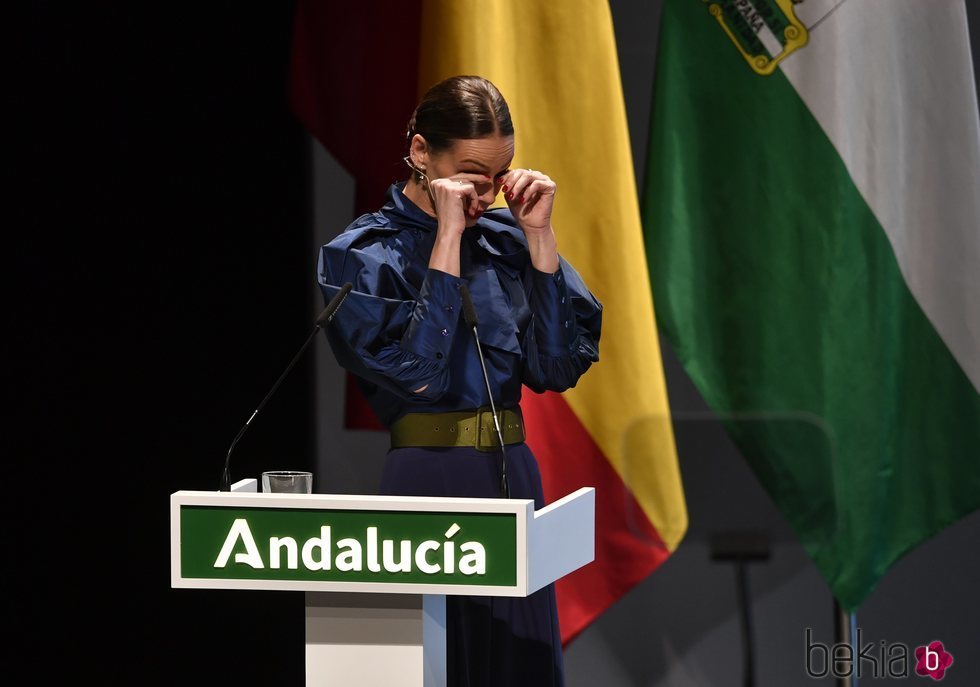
(433, 244)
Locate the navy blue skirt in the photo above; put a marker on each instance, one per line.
(490, 641)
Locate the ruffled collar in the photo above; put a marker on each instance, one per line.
(496, 231)
(403, 208)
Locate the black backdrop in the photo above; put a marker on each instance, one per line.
(159, 233)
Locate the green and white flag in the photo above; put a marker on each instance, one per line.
(812, 219)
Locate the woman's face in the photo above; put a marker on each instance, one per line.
(490, 156)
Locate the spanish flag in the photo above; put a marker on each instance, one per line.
(556, 65)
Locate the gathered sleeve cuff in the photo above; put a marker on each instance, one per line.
(554, 317)
(388, 332)
(563, 341)
(434, 318)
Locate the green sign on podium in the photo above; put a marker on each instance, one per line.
(376, 569)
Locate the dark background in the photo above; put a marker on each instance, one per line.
(161, 284)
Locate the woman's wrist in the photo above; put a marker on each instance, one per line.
(445, 252)
(543, 247)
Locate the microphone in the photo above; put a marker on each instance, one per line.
(322, 320)
(469, 316)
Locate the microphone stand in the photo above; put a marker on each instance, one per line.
(469, 314)
(322, 320)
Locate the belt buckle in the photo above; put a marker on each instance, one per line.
(492, 444)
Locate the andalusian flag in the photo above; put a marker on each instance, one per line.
(556, 64)
(812, 214)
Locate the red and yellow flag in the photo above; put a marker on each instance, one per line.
(557, 67)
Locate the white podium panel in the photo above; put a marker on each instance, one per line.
(375, 640)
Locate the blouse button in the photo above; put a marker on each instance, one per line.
(445, 332)
(562, 299)
(449, 308)
(567, 324)
(439, 356)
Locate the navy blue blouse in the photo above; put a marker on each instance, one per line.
(401, 327)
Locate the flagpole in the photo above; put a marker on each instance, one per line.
(744, 603)
(742, 548)
(845, 632)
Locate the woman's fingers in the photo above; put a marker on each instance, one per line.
(468, 181)
(530, 195)
(461, 188)
(526, 183)
(511, 186)
(468, 195)
(536, 189)
(474, 201)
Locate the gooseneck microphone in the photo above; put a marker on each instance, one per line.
(322, 320)
(469, 316)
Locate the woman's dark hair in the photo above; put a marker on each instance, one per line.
(459, 107)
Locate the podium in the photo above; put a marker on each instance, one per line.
(376, 570)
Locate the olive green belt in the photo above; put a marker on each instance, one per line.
(464, 428)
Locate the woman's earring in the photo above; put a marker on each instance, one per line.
(420, 171)
(422, 179)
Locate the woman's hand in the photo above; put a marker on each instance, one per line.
(455, 199)
(530, 196)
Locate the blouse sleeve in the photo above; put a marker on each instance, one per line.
(387, 331)
(563, 339)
